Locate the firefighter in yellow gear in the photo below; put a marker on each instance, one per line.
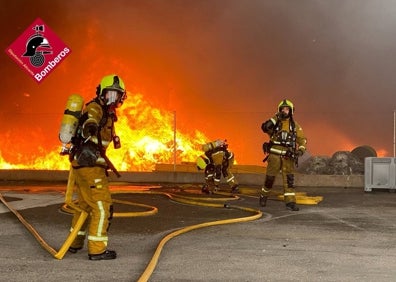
(287, 143)
(90, 164)
(217, 162)
(204, 163)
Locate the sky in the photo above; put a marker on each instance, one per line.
(221, 65)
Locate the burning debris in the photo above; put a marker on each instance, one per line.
(147, 135)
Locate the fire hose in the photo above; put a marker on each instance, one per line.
(71, 205)
(216, 202)
(187, 200)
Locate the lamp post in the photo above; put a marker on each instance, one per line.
(394, 133)
(174, 141)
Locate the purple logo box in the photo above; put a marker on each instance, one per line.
(38, 50)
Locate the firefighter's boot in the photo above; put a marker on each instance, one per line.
(106, 255)
(216, 188)
(290, 195)
(74, 250)
(269, 182)
(205, 189)
(235, 189)
(292, 206)
(263, 200)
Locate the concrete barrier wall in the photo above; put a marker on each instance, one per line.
(159, 177)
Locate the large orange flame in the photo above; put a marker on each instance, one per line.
(147, 135)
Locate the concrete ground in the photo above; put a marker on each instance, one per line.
(349, 236)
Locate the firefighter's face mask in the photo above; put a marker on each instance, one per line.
(112, 97)
(284, 112)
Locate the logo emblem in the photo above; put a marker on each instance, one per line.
(38, 50)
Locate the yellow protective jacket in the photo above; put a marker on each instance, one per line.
(95, 114)
(285, 134)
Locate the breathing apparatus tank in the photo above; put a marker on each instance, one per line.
(213, 145)
(202, 161)
(69, 123)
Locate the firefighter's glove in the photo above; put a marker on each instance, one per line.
(300, 153)
(89, 129)
(266, 148)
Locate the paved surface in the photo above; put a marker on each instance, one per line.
(349, 236)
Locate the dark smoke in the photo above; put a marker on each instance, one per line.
(223, 66)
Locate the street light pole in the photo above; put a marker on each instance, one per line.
(394, 133)
(174, 141)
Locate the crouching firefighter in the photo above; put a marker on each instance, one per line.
(89, 163)
(217, 162)
(287, 143)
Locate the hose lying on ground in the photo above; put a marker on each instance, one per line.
(194, 201)
(70, 205)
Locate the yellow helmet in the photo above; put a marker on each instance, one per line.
(286, 103)
(111, 82)
(202, 162)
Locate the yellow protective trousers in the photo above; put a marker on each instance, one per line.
(278, 163)
(219, 168)
(217, 158)
(228, 175)
(209, 175)
(94, 198)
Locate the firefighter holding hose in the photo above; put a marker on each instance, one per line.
(287, 143)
